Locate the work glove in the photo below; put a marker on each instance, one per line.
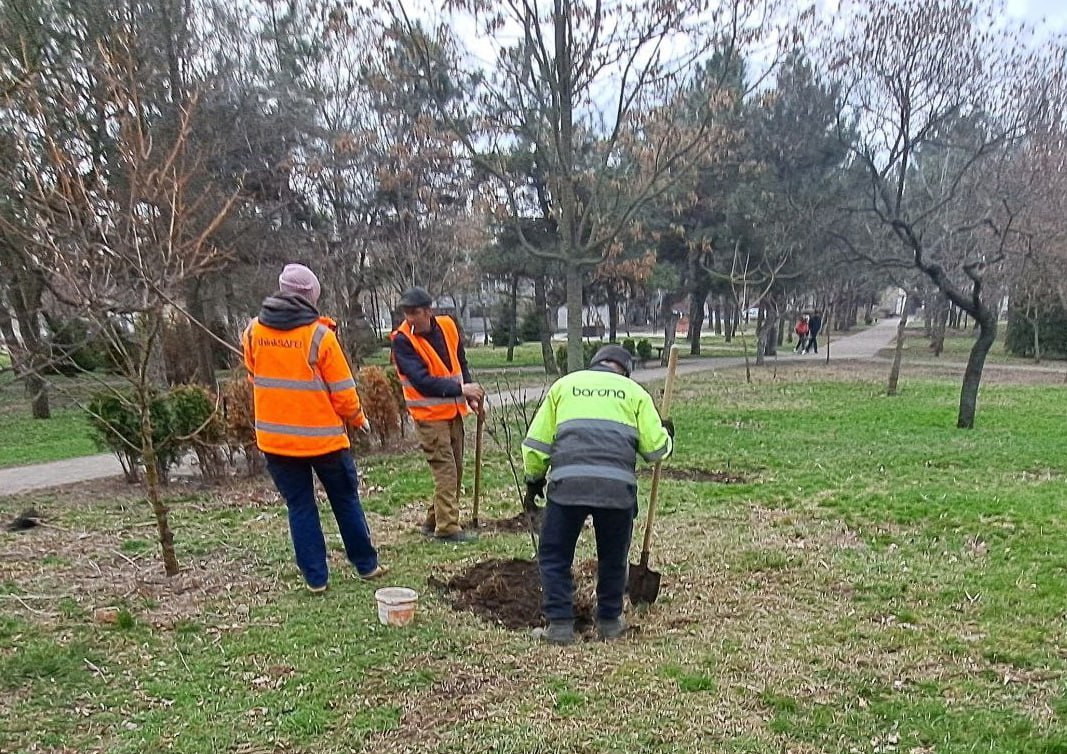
(668, 424)
(534, 490)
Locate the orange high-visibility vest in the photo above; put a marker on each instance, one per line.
(424, 408)
(303, 388)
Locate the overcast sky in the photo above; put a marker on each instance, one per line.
(1050, 13)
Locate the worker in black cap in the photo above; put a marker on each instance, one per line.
(438, 390)
(583, 443)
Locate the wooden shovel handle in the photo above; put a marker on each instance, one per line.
(478, 464)
(665, 412)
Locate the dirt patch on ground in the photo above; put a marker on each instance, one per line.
(508, 593)
(688, 474)
(89, 569)
(516, 524)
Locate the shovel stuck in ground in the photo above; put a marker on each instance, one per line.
(643, 582)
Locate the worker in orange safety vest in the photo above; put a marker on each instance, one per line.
(304, 396)
(438, 390)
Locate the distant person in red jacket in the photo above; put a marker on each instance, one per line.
(801, 330)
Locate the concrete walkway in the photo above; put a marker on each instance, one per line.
(862, 345)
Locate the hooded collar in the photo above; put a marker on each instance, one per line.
(287, 311)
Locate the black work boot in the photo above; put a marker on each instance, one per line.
(559, 632)
(611, 628)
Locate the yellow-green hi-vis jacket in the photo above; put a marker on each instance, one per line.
(590, 429)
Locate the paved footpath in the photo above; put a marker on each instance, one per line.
(862, 345)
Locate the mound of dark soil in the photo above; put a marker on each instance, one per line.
(508, 592)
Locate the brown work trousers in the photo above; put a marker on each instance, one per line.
(442, 443)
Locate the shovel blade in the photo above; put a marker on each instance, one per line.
(643, 584)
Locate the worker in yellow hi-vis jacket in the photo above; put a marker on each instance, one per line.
(583, 444)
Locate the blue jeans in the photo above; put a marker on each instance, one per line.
(337, 472)
(559, 536)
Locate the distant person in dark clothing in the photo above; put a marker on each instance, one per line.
(814, 326)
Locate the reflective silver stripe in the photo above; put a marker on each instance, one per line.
(596, 472)
(316, 341)
(455, 378)
(533, 444)
(341, 385)
(434, 402)
(603, 426)
(315, 385)
(293, 429)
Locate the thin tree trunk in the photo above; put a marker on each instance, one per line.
(1037, 341)
(670, 327)
(575, 353)
(898, 351)
(151, 470)
(613, 314)
(513, 317)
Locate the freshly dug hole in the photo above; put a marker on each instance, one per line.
(508, 593)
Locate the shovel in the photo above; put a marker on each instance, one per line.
(478, 464)
(643, 582)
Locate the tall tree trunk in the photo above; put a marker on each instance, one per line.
(670, 327)
(202, 342)
(972, 375)
(26, 303)
(548, 326)
(565, 185)
(761, 337)
(696, 321)
(898, 351)
(613, 314)
(940, 323)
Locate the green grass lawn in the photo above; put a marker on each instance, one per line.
(958, 344)
(24, 439)
(873, 580)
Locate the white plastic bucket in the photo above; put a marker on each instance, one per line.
(396, 605)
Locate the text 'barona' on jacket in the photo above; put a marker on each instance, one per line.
(585, 392)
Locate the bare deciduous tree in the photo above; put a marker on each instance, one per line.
(120, 239)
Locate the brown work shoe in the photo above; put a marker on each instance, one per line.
(377, 573)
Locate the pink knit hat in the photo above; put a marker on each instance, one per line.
(298, 279)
